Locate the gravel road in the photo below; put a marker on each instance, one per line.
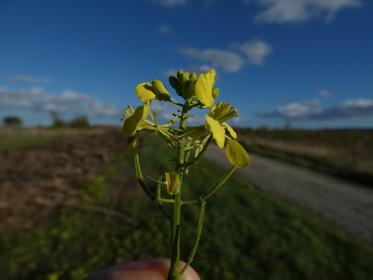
(347, 205)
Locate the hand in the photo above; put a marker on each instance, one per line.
(156, 269)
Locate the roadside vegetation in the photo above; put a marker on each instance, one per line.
(251, 236)
(346, 154)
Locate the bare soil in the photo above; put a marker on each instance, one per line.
(35, 182)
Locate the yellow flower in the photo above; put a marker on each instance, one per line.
(144, 92)
(234, 152)
(204, 86)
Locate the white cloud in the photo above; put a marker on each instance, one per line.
(358, 103)
(229, 60)
(226, 60)
(325, 93)
(172, 3)
(165, 29)
(69, 102)
(256, 50)
(348, 109)
(293, 110)
(287, 11)
(25, 78)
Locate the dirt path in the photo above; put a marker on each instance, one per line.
(346, 205)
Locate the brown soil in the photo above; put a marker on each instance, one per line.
(35, 182)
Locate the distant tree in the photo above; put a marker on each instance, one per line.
(12, 121)
(79, 122)
(58, 122)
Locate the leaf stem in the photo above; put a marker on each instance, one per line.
(201, 220)
(141, 181)
(219, 183)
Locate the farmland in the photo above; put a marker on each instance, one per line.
(346, 154)
(70, 206)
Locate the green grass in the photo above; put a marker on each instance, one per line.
(247, 235)
(25, 138)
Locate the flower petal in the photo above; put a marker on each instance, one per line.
(134, 123)
(236, 154)
(230, 130)
(144, 92)
(203, 88)
(218, 132)
(223, 112)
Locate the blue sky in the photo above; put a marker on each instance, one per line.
(307, 63)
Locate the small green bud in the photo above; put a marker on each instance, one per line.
(160, 90)
(189, 89)
(174, 82)
(193, 76)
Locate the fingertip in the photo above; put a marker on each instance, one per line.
(156, 269)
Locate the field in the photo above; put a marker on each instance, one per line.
(70, 206)
(347, 154)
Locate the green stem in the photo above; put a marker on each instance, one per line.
(141, 181)
(201, 220)
(176, 224)
(220, 183)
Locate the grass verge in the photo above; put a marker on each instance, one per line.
(322, 165)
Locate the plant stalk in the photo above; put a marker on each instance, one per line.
(176, 224)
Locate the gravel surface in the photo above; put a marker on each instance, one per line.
(346, 205)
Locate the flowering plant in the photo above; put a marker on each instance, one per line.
(190, 143)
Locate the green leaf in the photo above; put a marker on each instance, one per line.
(236, 154)
(203, 88)
(135, 122)
(160, 91)
(218, 132)
(144, 92)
